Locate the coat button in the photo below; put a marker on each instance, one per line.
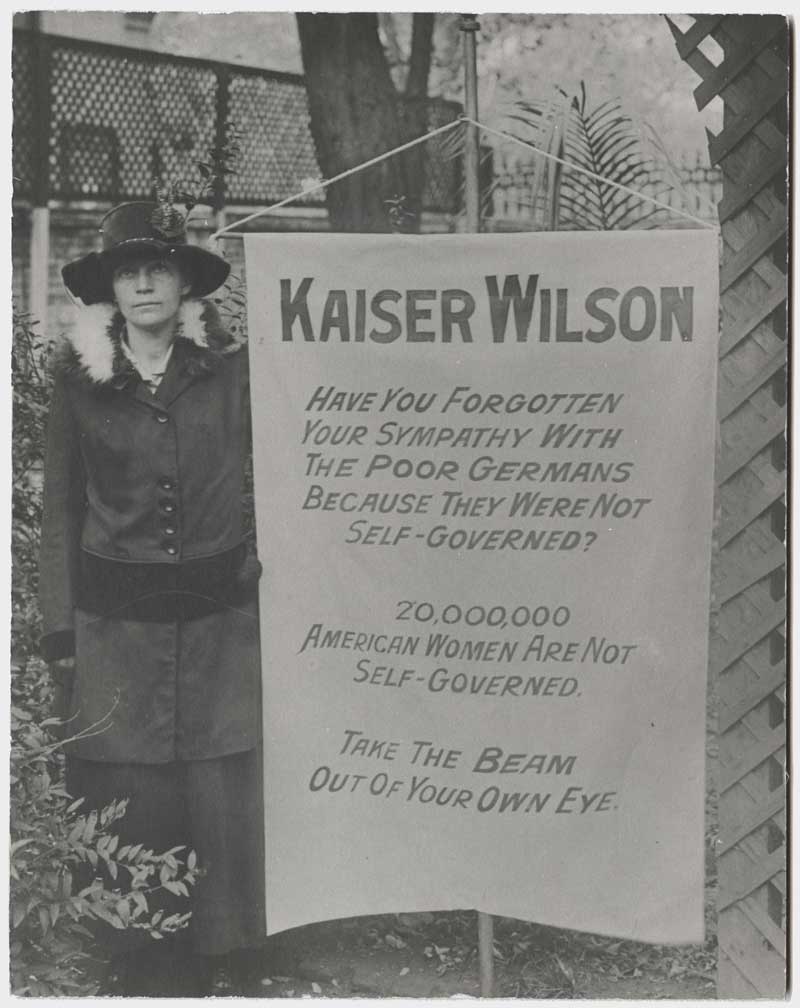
(168, 507)
(166, 483)
(170, 548)
(170, 530)
(162, 417)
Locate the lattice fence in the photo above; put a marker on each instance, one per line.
(742, 59)
(112, 118)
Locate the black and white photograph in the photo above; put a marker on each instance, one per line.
(398, 504)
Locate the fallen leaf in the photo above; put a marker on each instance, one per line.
(266, 982)
(414, 920)
(394, 942)
(316, 988)
(566, 971)
(281, 979)
(404, 971)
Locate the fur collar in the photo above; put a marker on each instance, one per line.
(93, 350)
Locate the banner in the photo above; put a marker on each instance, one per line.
(483, 478)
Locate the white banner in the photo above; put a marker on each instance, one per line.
(484, 499)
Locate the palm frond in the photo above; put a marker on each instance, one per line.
(605, 140)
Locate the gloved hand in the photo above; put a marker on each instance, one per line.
(249, 574)
(62, 674)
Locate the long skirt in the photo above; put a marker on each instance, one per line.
(212, 806)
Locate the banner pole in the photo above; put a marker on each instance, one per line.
(472, 201)
(486, 953)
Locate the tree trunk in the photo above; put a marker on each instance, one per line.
(354, 116)
(415, 112)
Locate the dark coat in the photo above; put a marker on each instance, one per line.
(145, 575)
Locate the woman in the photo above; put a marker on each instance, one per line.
(148, 589)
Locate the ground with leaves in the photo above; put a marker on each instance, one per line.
(435, 955)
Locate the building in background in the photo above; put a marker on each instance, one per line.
(267, 40)
(103, 106)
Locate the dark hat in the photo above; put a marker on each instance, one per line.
(130, 227)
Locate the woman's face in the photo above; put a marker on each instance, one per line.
(148, 290)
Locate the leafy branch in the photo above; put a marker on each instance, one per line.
(51, 842)
(220, 162)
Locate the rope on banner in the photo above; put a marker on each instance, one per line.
(324, 183)
(228, 232)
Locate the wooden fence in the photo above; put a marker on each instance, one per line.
(742, 59)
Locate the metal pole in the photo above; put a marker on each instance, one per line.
(486, 953)
(472, 199)
(472, 196)
(40, 213)
(220, 138)
(39, 260)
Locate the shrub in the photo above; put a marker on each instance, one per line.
(50, 837)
